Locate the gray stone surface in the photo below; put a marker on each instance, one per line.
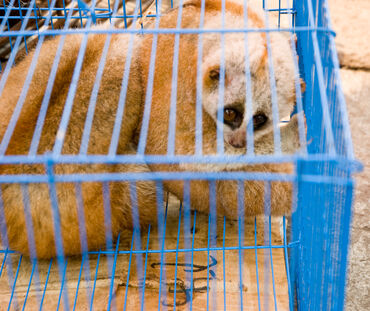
(351, 21)
(356, 87)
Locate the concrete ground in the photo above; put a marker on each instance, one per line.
(352, 23)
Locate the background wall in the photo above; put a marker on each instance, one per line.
(351, 21)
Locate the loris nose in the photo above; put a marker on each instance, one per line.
(237, 140)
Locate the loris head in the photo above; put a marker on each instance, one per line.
(242, 52)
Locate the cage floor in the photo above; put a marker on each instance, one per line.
(88, 283)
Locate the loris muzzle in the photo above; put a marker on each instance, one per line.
(236, 54)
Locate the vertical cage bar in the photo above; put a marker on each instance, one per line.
(31, 239)
(175, 65)
(62, 262)
(248, 87)
(211, 243)
(137, 236)
(241, 224)
(7, 261)
(162, 222)
(83, 240)
(256, 260)
(266, 242)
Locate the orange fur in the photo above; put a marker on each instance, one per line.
(102, 130)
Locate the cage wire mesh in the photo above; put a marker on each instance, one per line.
(185, 258)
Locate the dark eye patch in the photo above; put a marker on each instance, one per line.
(259, 120)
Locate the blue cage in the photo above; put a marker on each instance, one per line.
(185, 260)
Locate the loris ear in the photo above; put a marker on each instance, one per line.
(211, 77)
(214, 73)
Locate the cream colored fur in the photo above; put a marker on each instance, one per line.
(121, 205)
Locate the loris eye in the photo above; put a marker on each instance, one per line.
(259, 120)
(233, 117)
(229, 115)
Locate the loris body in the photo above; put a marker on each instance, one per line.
(104, 119)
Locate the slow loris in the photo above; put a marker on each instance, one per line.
(235, 120)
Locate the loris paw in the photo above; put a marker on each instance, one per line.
(290, 139)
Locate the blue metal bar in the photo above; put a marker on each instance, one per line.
(274, 98)
(128, 272)
(221, 87)
(256, 259)
(287, 269)
(3, 261)
(149, 89)
(184, 31)
(224, 260)
(91, 110)
(279, 13)
(352, 165)
(109, 8)
(4, 76)
(65, 10)
(36, 17)
(95, 278)
(83, 240)
(192, 262)
(78, 283)
(266, 253)
(50, 10)
(241, 223)
(108, 236)
(111, 297)
(42, 114)
(177, 255)
(15, 303)
(187, 230)
(7, 15)
(7, 261)
(341, 100)
(49, 86)
(298, 90)
(248, 88)
(174, 176)
(199, 98)
(211, 243)
(271, 261)
(62, 130)
(107, 218)
(162, 222)
(122, 98)
(136, 229)
(199, 249)
(324, 100)
(62, 262)
(79, 11)
(29, 285)
(63, 281)
(46, 284)
(145, 266)
(172, 121)
(24, 20)
(30, 238)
